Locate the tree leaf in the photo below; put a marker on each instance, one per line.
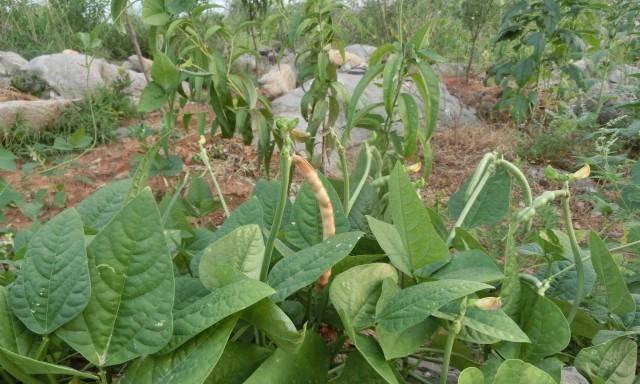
(428, 85)
(7, 160)
(237, 363)
(153, 97)
(490, 206)
(274, 322)
(197, 308)
(414, 304)
(390, 83)
(164, 72)
(389, 239)
(355, 292)
(517, 371)
(242, 249)
(473, 265)
(132, 288)
(307, 365)
(192, 363)
(413, 223)
(154, 13)
(619, 299)
(305, 228)
(306, 266)
(53, 285)
(97, 209)
(613, 362)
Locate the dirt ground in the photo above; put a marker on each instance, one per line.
(456, 153)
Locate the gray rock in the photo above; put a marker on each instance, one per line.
(570, 375)
(10, 64)
(362, 50)
(71, 76)
(37, 114)
(449, 69)
(133, 64)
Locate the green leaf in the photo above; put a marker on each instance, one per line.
(275, 323)
(563, 287)
(390, 81)
(164, 72)
(473, 265)
(7, 160)
(389, 239)
(249, 212)
(613, 362)
(490, 206)
(410, 121)
(412, 221)
(355, 292)
(268, 193)
(517, 371)
(154, 13)
(307, 365)
(132, 288)
(196, 308)
(397, 345)
(242, 249)
(99, 208)
(305, 228)
(493, 323)
(372, 353)
(358, 370)
(153, 97)
(471, 375)
(306, 266)
(14, 336)
(237, 363)
(619, 299)
(414, 304)
(192, 363)
(545, 325)
(428, 86)
(13, 362)
(53, 285)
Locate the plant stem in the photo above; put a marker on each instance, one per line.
(575, 248)
(207, 163)
(624, 246)
(444, 373)
(285, 174)
(346, 193)
(467, 207)
(524, 184)
(103, 376)
(42, 349)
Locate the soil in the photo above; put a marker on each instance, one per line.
(456, 153)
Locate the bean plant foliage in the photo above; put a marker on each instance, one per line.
(335, 284)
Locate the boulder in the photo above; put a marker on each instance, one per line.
(36, 114)
(133, 64)
(72, 75)
(362, 50)
(10, 64)
(280, 79)
(346, 62)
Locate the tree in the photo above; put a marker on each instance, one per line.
(475, 15)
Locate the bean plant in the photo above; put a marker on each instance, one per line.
(353, 279)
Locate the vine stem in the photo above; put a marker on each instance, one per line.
(102, 374)
(467, 206)
(207, 163)
(42, 349)
(577, 257)
(444, 373)
(285, 174)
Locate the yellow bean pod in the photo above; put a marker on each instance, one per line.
(326, 209)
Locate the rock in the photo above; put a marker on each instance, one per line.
(279, 80)
(570, 375)
(449, 69)
(71, 75)
(349, 61)
(10, 64)
(133, 64)
(70, 52)
(362, 50)
(37, 114)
